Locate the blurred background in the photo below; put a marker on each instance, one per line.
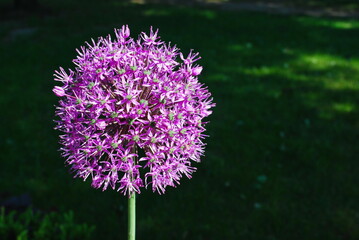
(282, 157)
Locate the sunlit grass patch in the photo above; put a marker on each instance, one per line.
(344, 107)
(332, 71)
(156, 12)
(335, 24)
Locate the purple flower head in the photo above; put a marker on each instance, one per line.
(131, 113)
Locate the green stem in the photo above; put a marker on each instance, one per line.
(132, 217)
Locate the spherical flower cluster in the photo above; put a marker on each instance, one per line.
(131, 113)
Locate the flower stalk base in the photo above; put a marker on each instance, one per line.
(132, 217)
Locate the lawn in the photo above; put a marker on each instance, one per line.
(281, 161)
(336, 5)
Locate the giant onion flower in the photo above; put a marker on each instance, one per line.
(131, 113)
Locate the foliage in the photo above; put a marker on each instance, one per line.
(32, 225)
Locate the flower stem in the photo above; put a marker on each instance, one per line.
(132, 217)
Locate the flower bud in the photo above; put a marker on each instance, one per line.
(59, 91)
(101, 124)
(196, 71)
(125, 31)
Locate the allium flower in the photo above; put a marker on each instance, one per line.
(131, 114)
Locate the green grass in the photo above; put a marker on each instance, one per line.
(337, 5)
(281, 162)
